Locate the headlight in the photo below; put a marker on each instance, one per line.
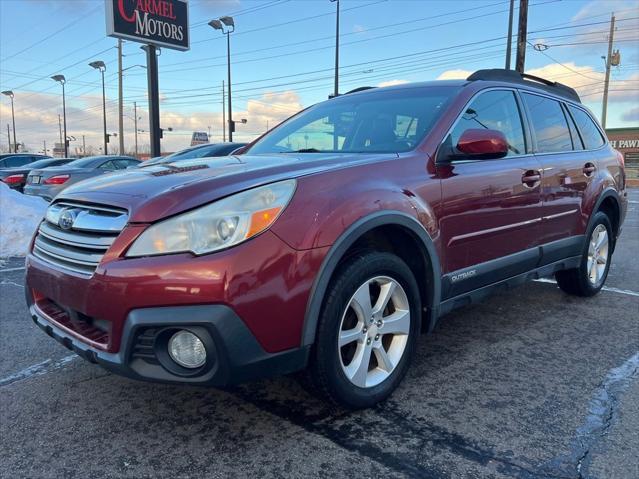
(218, 225)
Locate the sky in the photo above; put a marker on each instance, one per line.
(283, 60)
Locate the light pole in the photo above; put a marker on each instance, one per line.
(99, 65)
(9, 93)
(336, 90)
(61, 80)
(230, 28)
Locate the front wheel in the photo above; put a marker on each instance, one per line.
(367, 331)
(590, 276)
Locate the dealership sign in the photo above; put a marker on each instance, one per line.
(164, 23)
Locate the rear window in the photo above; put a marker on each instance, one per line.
(590, 134)
(377, 121)
(81, 163)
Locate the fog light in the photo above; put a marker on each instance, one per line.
(186, 349)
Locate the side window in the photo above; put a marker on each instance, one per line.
(549, 123)
(576, 138)
(108, 166)
(494, 110)
(589, 132)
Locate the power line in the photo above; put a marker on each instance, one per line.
(67, 26)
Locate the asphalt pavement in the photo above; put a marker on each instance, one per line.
(531, 383)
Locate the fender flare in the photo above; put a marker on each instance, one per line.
(345, 241)
(607, 193)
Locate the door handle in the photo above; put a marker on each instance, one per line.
(589, 169)
(531, 178)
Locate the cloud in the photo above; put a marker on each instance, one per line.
(598, 7)
(631, 115)
(454, 75)
(392, 83)
(217, 7)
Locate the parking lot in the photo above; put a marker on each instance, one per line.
(529, 384)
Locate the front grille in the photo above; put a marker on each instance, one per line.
(89, 232)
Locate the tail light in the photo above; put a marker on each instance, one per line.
(13, 179)
(56, 180)
(621, 159)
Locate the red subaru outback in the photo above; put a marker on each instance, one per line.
(335, 239)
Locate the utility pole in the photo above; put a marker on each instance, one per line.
(509, 41)
(223, 114)
(521, 36)
(84, 146)
(604, 109)
(120, 99)
(44, 142)
(135, 122)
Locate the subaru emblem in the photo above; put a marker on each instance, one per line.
(66, 219)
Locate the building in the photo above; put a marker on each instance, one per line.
(626, 140)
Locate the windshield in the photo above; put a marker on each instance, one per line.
(36, 164)
(379, 121)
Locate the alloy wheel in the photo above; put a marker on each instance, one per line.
(374, 331)
(597, 255)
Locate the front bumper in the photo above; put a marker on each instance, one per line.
(233, 354)
(247, 303)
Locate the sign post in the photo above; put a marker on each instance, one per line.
(156, 23)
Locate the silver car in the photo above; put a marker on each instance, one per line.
(48, 182)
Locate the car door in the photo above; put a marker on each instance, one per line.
(491, 209)
(567, 170)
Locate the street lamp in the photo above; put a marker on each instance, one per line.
(9, 93)
(336, 90)
(99, 65)
(219, 24)
(61, 80)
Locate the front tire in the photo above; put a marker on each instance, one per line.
(590, 276)
(367, 332)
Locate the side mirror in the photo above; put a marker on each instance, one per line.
(482, 144)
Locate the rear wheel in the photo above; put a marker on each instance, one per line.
(590, 276)
(367, 331)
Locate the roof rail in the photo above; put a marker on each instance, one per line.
(499, 74)
(361, 88)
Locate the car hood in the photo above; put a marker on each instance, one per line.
(155, 192)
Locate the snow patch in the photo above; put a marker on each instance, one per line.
(19, 217)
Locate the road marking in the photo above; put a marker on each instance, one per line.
(11, 283)
(8, 270)
(605, 288)
(37, 369)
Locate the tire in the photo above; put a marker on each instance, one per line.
(334, 370)
(588, 279)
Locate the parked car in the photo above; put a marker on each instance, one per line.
(16, 177)
(199, 151)
(48, 182)
(335, 239)
(12, 160)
